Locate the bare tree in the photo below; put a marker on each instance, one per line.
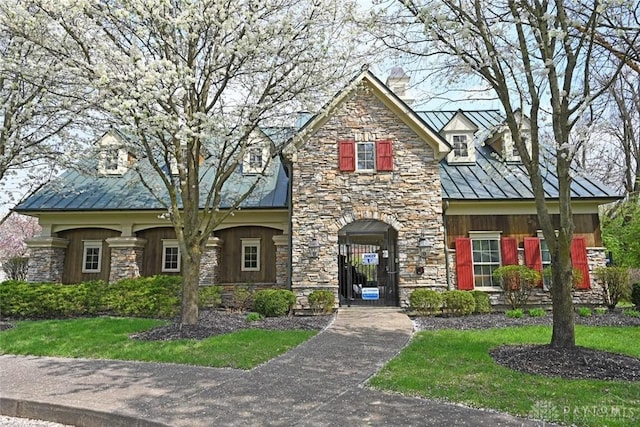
(540, 59)
(191, 82)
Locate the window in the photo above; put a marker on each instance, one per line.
(254, 160)
(486, 258)
(366, 155)
(92, 256)
(111, 160)
(460, 146)
(250, 255)
(170, 256)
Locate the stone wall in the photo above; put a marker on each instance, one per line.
(281, 242)
(210, 262)
(126, 257)
(46, 263)
(325, 199)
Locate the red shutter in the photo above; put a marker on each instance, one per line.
(464, 263)
(580, 261)
(532, 254)
(347, 156)
(509, 249)
(384, 155)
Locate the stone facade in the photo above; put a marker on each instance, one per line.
(126, 257)
(325, 199)
(46, 262)
(210, 262)
(282, 259)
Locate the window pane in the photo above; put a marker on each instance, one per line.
(171, 258)
(92, 259)
(486, 258)
(460, 146)
(366, 155)
(250, 257)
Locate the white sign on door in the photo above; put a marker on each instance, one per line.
(370, 259)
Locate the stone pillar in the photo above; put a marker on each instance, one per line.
(126, 257)
(281, 242)
(210, 263)
(46, 262)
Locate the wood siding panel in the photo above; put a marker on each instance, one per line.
(152, 257)
(74, 257)
(519, 226)
(230, 264)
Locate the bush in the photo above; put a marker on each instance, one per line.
(51, 300)
(156, 296)
(274, 302)
(516, 313)
(615, 284)
(537, 312)
(631, 312)
(635, 295)
(254, 317)
(576, 275)
(16, 268)
(483, 302)
(458, 303)
(425, 301)
(517, 281)
(242, 298)
(209, 296)
(584, 312)
(600, 311)
(321, 301)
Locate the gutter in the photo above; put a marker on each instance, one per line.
(445, 206)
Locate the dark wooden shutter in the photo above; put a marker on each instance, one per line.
(384, 155)
(464, 263)
(509, 249)
(532, 255)
(347, 156)
(580, 261)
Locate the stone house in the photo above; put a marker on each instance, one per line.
(369, 199)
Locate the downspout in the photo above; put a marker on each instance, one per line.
(290, 209)
(445, 206)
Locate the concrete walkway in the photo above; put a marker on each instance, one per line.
(321, 382)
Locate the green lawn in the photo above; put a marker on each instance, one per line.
(108, 338)
(456, 366)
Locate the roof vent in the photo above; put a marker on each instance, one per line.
(398, 82)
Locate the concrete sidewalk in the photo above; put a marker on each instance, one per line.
(318, 383)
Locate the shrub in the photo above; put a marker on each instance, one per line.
(584, 312)
(517, 281)
(537, 312)
(516, 313)
(548, 276)
(615, 284)
(209, 296)
(425, 301)
(635, 295)
(458, 303)
(483, 302)
(631, 312)
(156, 296)
(16, 268)
(254, 317)
(274, 302)
(322, 301)
(600, 310)
(242, 298)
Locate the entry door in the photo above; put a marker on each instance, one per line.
(367, 269)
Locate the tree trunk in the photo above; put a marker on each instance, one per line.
(563, 335)
(190, 285)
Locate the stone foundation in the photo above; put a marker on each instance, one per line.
(46, 263)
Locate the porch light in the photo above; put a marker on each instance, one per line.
(314, 248)
(424, 246)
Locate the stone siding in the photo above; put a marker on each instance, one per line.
(210, 262)
(281, 243)
(126, 257)
(325, 199)
(46, 263)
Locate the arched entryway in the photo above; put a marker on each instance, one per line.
(367, 264)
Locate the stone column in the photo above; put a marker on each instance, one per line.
(46, 262)
(281, 242)
(126, 257)
(210, 263)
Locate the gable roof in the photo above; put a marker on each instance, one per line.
(491, 178)
(396, 105)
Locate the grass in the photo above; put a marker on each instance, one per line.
(455, 366)
(108, 338)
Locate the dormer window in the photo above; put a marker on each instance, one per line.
(111, 160)
(254, 161)
(460, 133)
(460, 146)
(114, 161)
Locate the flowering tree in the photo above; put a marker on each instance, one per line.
(190, 82)
(541, 60)
(13, 233)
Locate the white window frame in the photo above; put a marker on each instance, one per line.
(466, 142)
(373, 159)
(481, 236)
(250, 243)
(471, 150)
(107, 158)
(91, 244)
(170, 244)
(248, 167)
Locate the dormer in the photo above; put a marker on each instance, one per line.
(460, 133)
(501, 139)
(114, 158)
(257, 154)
